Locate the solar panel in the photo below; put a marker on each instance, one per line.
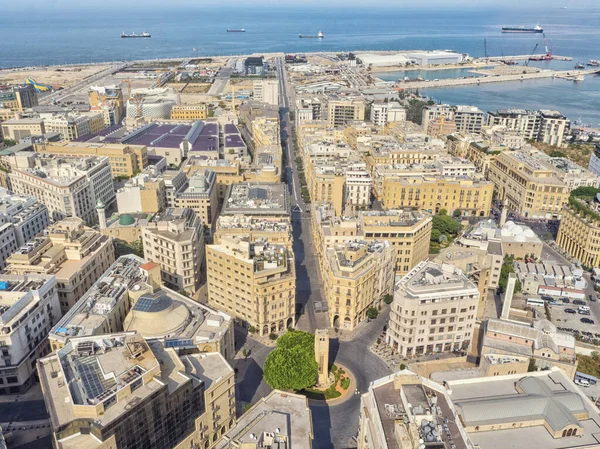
(257, 193)
(92, 382)
(152, 304)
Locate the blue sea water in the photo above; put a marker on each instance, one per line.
(42, 36)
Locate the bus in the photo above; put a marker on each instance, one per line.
(582, 379)
(536, 302)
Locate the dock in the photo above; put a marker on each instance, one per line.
(526, 57)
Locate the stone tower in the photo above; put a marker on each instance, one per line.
(100, 208)
(322, 356)
(508, 295)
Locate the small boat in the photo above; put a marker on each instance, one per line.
(579, 66)
(319, 35)
(124, 35)
(594, 63)
(241, 30)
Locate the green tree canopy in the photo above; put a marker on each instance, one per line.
(294, 338)
(435, 235)
(290, 369)
(585, 192)
(445, 224)
(372, 313)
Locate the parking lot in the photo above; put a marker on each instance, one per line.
(571, 322)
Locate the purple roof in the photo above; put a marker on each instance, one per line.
(234, 140)
(102, 133)
(210, 129)
(167, 136)
(206, 143)
(230, 128)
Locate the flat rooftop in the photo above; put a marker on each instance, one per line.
(429, 277)
(158, 135)
(257, 199)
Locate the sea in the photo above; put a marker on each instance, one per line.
(82, 34)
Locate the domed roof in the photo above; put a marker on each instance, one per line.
(126, 220)
(509, 224)
(517, 230)
(529, 233)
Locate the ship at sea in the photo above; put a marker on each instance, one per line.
(319, 35)
(241, 30)
(522, 29)
(124, 35)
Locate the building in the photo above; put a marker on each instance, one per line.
(572, 174)
(265, 200)
(546, 126)
(70, 126)
(279, 420)
(468, 119)
(189, 112)
(151, 103)
(383, 112)
(121, 390)
(144, 193)
(201, 197)
(18, 98)
(174, 239)
(358, 184)
(553, 127)
(434, 310)
(275, 231)
(266, 91)
(74, 254)
(540, 341)
(21, 128)
(594, 165)
(434, 112)
(28, 310)
(21, 218)
(407, 411)
(130, 297)
(125, 160)
(100, 96)
(68, 186)
(254, 282)
(579, 231)
(356, 276)
(343, 110)
(528, 187)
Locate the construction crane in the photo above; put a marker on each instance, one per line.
(548, 56)
(532, 55)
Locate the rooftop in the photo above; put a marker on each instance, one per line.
(432, 278)
(16, 297)
(257, 199)
(158, 135)
(63, 170)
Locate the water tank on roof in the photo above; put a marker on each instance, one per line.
(3, 286)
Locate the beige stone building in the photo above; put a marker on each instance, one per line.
(72, 126)
(579, 231)
(342, 110)
(356, 276)
(20, 128)
(528, 187)
(254, 282)
(75, 254)
(434, 310)
(202, 197)
(145, 193)
(189, 112)
(121, 389)
(18, 97)
(276, 231)
(174, 239)
(227, 172)
(125, 160)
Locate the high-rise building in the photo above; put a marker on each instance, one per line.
(356, 276)
(68, 186)
(434, 310)
(18, 98)
(468, 119)
(76, 255)
(201, 197)
(28, 310)
(383, 113)
(546, 126)
(344, 110)
(121, 390)
(255, 282)
(266, 91)
(553, 127)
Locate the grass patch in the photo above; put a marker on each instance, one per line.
(589, 364)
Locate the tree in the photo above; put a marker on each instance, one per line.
(457, 213)
(295, 338)
(435, 235)
(10, 142)
(290, 369)
(443, 212)
(557, 153)
(445, 224)
(388, 299)
(372, 313)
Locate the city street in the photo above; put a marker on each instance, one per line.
(222, 78)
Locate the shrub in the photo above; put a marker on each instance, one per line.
(345, 383)
(372, 313)
(388, 299)
(252, 329)
(273, 336)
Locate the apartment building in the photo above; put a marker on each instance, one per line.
(266, 91)
(358, 182)
(68, 186)
(189, 112)
(434, 310)
(201, 196)
(73, 253)
(69, 126)
(472, 197)
(434, 112)
(20, 128)
(468, 119)
(21, 218)
(125, 160)
(408, 231)
(254, 282)
(276, 231)
(548, 126)
(327, 184)
(579, 231)
(18, 98)
(122, 390)
(343, 110)
(174, 239)
(356, 276)
(145, 192)
(129, 297)
(383, 113)
(553, 127)
(309, 109)
(528, 187)
(28, 310)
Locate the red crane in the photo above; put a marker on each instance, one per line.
(548, 56)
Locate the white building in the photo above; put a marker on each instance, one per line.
(69, 126)
(358, 186)
(435, 111)
(266, 91)
(152, 103)
(21, 219)
(29, 307)
(468, 119)
(383, 113)
(68, 186)
(434, 310)
(454, 166)
(553, 127)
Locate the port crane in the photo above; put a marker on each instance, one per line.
(548, 56)
(532, 55)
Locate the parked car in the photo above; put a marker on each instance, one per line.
(547, 298)
(579, 302)
(570, 311)
(565, 300)
(587, 321)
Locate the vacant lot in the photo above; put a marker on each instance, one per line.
(53, 76)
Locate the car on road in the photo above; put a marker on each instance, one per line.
(565, 300)
(571, 311)
(587, 321)
(579, 302)
(593, 298)
(547, 298)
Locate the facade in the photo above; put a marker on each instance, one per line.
(540, 341)
(434, 112)
(21, 218)
(434, 310)
(145, 193)
(74, 254)
(69, 186)
(579, 231)
(125, 160)
(468, 119)
(129, 297)
(28, 310)
(20, 128)
(544, 125)
(69, 126)
(174, 239)
(201, 197)
(527, 187)
(120, 390)
(266, 91)
(344, 110)
(356, 276)
(18, 98)
(383, 113)
(553, 127)
(189, 112)
(358, 184)
(254, 282)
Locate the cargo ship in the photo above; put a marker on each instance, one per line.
(124, 35)
(241, 30)
(522, 29)
(319, 35)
